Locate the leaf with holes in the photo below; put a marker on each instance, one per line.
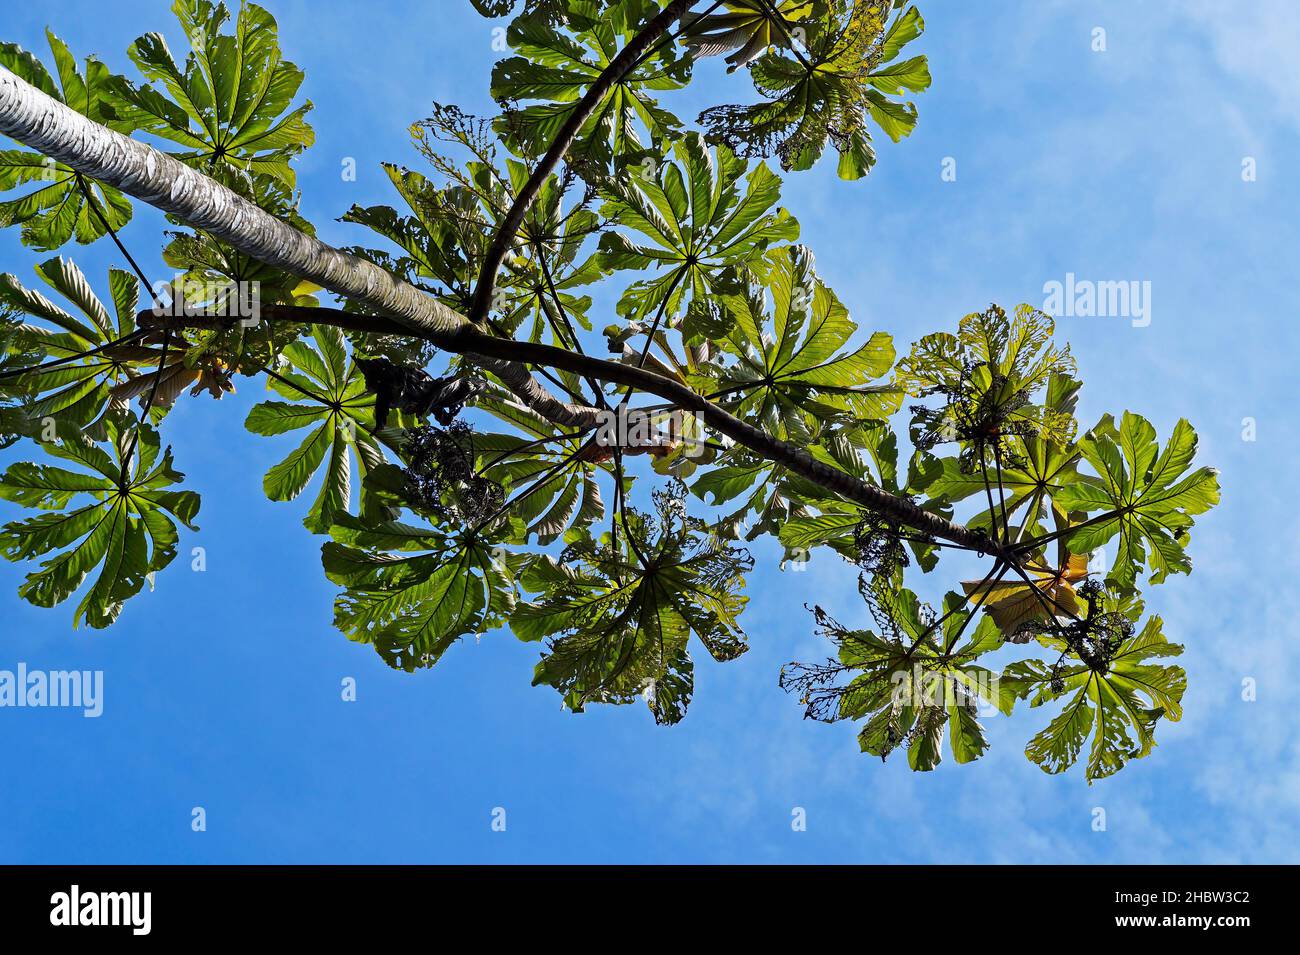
(619, 614)
(1105, 704)
(845, 75)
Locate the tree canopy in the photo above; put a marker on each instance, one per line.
(479, 447)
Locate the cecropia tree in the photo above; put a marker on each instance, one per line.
(483, 457)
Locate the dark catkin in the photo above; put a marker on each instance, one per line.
(440, 477)
(1094, 639)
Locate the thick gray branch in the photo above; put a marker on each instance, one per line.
(51, 128)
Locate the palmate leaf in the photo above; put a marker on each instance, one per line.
(1036, 466)
(227, 103)
(14, 425)
(787, 373)
(80, 392)
(201, 258)
(555, 67)
(56, 209)
(845, 75)
(17, 352)
(560, 495)
(1018, 349)
(690, 220)
(989, 374)
(746, 29)
(526, 298)
(94, 519)
(326, 393)
(908, 681)
(835, 525)
(441, 242)
(551, 261)
(443, 239)
(619, 624)
(413, 591)
(1144, 495)
(1104, 704)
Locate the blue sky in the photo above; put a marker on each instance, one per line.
(223, 687)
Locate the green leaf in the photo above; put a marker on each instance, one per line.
(690, 221)
(1144, 495)
(82, 390)
(988, 376)
(557, 489)
(125, 527)
(787, 371)
(217, 278)
(411, 592)
(324, 389)
(56, 209)
(442, 242)
(826, 93)
(791, 373)
(1105, 704)
(1035, 469)
(620, 613)
(906, 680)
(553, 70)
(230, 100)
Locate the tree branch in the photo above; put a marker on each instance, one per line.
(478, 345)
(626, 61)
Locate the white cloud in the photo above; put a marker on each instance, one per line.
(1258, 42)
